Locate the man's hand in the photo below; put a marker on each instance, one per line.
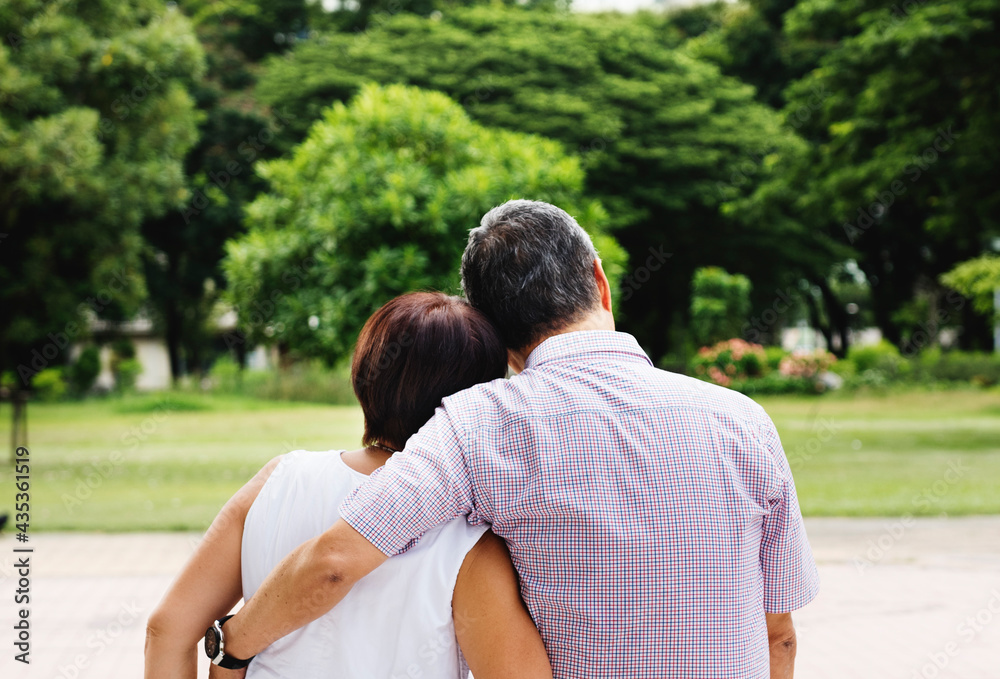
(307, 583)
(781, 639)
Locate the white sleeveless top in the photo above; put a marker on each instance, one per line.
(396, 623)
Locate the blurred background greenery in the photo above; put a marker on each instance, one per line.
(201, 201)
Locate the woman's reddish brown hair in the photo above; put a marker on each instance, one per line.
(414, 351)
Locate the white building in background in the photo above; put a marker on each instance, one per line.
(151, 351)
(805, 338)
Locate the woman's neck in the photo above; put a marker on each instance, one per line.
(366, 460)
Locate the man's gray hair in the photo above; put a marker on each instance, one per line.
(530, 267)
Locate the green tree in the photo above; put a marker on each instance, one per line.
(979, 280)
(666, 140)
(720, 304)
(746, 39)
(83, 372)
(185, 246)
(95, 120)
(377, 201)
(898, 169)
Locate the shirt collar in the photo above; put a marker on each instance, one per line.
(587, 343)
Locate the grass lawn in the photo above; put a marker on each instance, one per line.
(132, 464)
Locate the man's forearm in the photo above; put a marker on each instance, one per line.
(783, 644)
(783, 659)
(307, 583)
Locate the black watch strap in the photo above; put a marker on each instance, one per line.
(224, 660)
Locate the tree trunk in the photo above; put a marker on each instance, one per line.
(977, 331)
(19, 422)
(839, 320)
(814, 319)
(172, 328)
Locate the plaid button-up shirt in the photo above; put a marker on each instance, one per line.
(652, 517)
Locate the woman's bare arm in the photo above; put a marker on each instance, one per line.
(207, 588)
(492, 624)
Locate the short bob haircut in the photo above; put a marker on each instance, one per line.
(414, 351)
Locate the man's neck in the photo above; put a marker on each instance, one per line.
(596, 320)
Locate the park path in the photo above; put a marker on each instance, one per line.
(899, 600)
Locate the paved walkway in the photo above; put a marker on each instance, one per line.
(899, 601)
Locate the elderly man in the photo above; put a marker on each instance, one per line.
(652, 518)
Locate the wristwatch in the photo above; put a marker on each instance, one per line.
(215, 647)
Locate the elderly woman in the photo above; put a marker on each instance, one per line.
(451, 599)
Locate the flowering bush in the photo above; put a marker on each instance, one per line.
(729, 361)
(806, 364)
(752, 369)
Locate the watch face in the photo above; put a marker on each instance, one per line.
(211, 643)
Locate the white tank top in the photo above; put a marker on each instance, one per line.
(396, 623)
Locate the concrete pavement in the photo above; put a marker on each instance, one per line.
(900, 600)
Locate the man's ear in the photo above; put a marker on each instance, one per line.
(603, 286)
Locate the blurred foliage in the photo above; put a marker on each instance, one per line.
(95, 119)
(979, 280)
(720, 303)
(902, 164)
(309, 381)
(83, 372)
(746, 40)
(357, 16)
(978, 368)
(50, 384)
(883, 358)
(253, 28)
(125, 367)
(755, 370)
(844, 149)
(806, 364)
(729, 361)
(185, 246)
(377, 201)
(666, 140)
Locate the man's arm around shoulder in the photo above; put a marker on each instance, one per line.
(307, 583)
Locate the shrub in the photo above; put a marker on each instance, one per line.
(730, 361)
(124, 365)
(225, 374)
(867, 379)
(776, 384)
(883, 357)
(49, 384)
(307, 381)
(959, 366)
(720, 303)
(774, 356)
(126, 371)
(83, 372)
(806, 364)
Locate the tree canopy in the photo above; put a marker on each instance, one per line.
(185, 246)
(979, 280)
(377, 201)
(666, 140)
(903, 161)
(95, 120)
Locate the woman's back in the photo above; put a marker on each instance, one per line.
(396, 622)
